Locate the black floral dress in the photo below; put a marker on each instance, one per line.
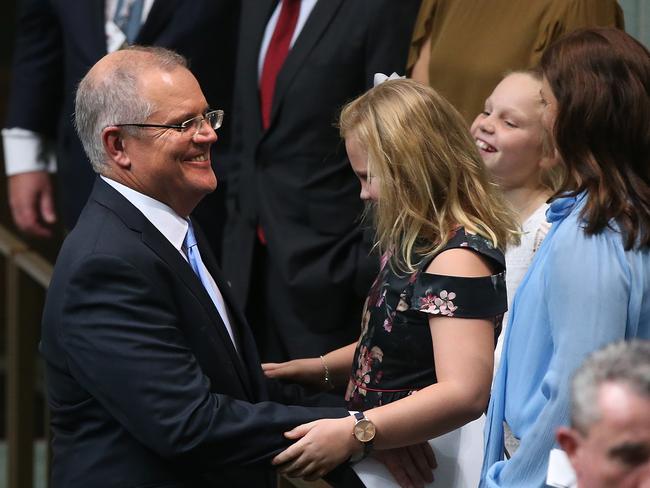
(394, 355)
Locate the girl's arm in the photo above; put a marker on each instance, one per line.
(311, 371)
(463, 352)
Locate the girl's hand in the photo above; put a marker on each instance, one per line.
(304, 371)
(323, 445)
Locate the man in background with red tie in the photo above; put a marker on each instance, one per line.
(294, 250)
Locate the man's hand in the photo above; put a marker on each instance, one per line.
(32, 203)
(411, 466)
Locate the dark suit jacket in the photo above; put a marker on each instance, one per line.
(59, 40)
(294, 178)
(144, 385)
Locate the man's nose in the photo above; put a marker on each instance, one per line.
(205, 133)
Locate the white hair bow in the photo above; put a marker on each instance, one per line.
(381, 77)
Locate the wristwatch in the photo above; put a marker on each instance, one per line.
(364, 431)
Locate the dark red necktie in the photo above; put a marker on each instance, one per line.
(276, 54)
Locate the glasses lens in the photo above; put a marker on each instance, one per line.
(215, 118)
(193, 125)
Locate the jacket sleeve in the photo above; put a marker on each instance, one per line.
(37, 71)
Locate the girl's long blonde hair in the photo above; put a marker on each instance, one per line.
(430, 174)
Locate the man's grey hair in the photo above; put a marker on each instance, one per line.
(116, 98)
(624, 362)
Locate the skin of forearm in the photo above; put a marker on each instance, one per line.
(432, 411)
(339, 363)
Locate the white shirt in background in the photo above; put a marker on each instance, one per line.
(518, 259)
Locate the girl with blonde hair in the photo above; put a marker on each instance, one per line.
(422, 366)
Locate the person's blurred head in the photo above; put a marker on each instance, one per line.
(415, 157)
(609, 439)
(511, 138)
(131, 114)
(597, 89)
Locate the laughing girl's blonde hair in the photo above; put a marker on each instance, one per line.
(430, 174)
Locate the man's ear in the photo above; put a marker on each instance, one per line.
(114, 146)
(569, 440)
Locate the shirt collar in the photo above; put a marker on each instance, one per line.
(169, 223)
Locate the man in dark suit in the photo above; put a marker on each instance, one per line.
(153, 378)
(293, 248)
(57, 42)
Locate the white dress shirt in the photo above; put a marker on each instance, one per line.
(173, 227)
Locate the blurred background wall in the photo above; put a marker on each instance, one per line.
(637, 19)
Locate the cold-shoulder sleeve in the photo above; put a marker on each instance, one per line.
(457, 296)
(462, 296)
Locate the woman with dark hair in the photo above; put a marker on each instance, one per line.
(589, 283)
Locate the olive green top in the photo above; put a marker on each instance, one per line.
(475, 42)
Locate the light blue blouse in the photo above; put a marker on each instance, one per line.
(580, 293)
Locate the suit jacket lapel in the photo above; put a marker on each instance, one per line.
(235, 315)
(180, 268)
(152, 238)
(244, 340)
(318, 20)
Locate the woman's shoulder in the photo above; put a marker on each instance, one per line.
(567, 215)
(571, 250)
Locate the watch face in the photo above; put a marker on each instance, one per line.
(364, 430)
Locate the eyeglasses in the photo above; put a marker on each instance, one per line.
(214, 118)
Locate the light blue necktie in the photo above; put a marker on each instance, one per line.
(194, 258)
(130, 21)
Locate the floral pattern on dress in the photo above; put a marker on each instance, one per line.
(368, 370)
(394, 354)
(388, 322)
(438, 304)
